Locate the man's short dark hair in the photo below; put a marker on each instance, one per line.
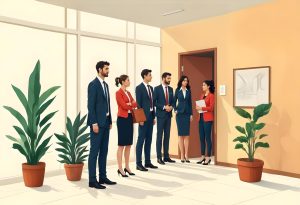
(101, 64)
(165, 74)
(145, 72)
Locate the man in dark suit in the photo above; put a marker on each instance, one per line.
(144, 99)
(100, 122)
(163, 99)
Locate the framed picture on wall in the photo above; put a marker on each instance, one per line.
(251, 86)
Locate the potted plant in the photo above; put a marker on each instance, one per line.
(250, 169)
(31, 143)
(72, 147)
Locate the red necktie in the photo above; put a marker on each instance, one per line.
(167, 96)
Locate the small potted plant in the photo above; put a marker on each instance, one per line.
(250, 169)
(72, 147)
(32, 130)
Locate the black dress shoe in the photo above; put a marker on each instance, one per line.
(169, 160)
(123, 175)
(160, 161)
(141, 168)
(107, 181)
(150, 166)
(96, 185)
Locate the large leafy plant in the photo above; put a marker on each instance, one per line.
(250, 133)
(30, 142)
(72, 146)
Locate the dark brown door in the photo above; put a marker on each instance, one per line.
(198, 67)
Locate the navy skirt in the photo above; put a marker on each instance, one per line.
(183, 124)
(125, 130)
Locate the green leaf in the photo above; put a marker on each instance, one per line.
(45, 106)
(19, 117)
(63, 138)
(34, 87)
(67, 147)
(65, 158)
(47, 118)
(261, 110)
(41, 150)
(70, 130)
(47, 94)
(62, 150)
(249, 128)
(22, 99)
(262, 144)
(82, 120)
(262, 136)
(243, 113)
(241, 139)
(259, 126)
(12, 138)
(240, 129)
(82, 140)
(41, 134)
(82, 130)
(21, 150)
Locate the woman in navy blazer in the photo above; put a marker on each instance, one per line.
(184, 115)
(126, 104)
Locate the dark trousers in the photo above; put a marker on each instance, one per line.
(163, 128)
(98, 149)
(205, 136)
(144, 139)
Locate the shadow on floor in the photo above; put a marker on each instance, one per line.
(276, 186)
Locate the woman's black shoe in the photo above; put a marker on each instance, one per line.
(201, 161)
(182, 161)
(207, 163)
(122, 174)
(187, 161)
(130, 173)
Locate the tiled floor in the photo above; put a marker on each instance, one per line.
(178, 183)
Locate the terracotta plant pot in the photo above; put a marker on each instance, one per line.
(250, 171)
(33, 175)
(73, 171)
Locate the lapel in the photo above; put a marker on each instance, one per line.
(125, 96)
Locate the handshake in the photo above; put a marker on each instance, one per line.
(168, 108)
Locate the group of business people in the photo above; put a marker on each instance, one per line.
(158, 105)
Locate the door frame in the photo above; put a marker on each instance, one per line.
(214, 50)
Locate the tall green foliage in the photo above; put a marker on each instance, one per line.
(250, 131)
(32, 130)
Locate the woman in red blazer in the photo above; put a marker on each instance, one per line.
(206, 120)
(126, 104)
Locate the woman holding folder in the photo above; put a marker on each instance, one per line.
(126, 104)
(206, 120)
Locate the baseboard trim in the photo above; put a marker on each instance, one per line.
(269, 171)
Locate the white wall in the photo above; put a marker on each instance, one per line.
(68, 51)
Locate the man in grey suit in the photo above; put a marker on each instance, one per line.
(163, 100)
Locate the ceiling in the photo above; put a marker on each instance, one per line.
(150, 12)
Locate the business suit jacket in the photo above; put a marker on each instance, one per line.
(97, 104)
(122, 101)
(143, 100)
(160, 100)
(210, 104)
(184, 105)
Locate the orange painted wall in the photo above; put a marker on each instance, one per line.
(267, 34)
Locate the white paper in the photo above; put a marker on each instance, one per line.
(201, 103)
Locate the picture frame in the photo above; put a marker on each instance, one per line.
(251, 86)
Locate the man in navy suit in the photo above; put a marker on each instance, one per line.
(144, 99)
(100, 122)
(163, 99)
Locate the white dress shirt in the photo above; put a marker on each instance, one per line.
(104, 90)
